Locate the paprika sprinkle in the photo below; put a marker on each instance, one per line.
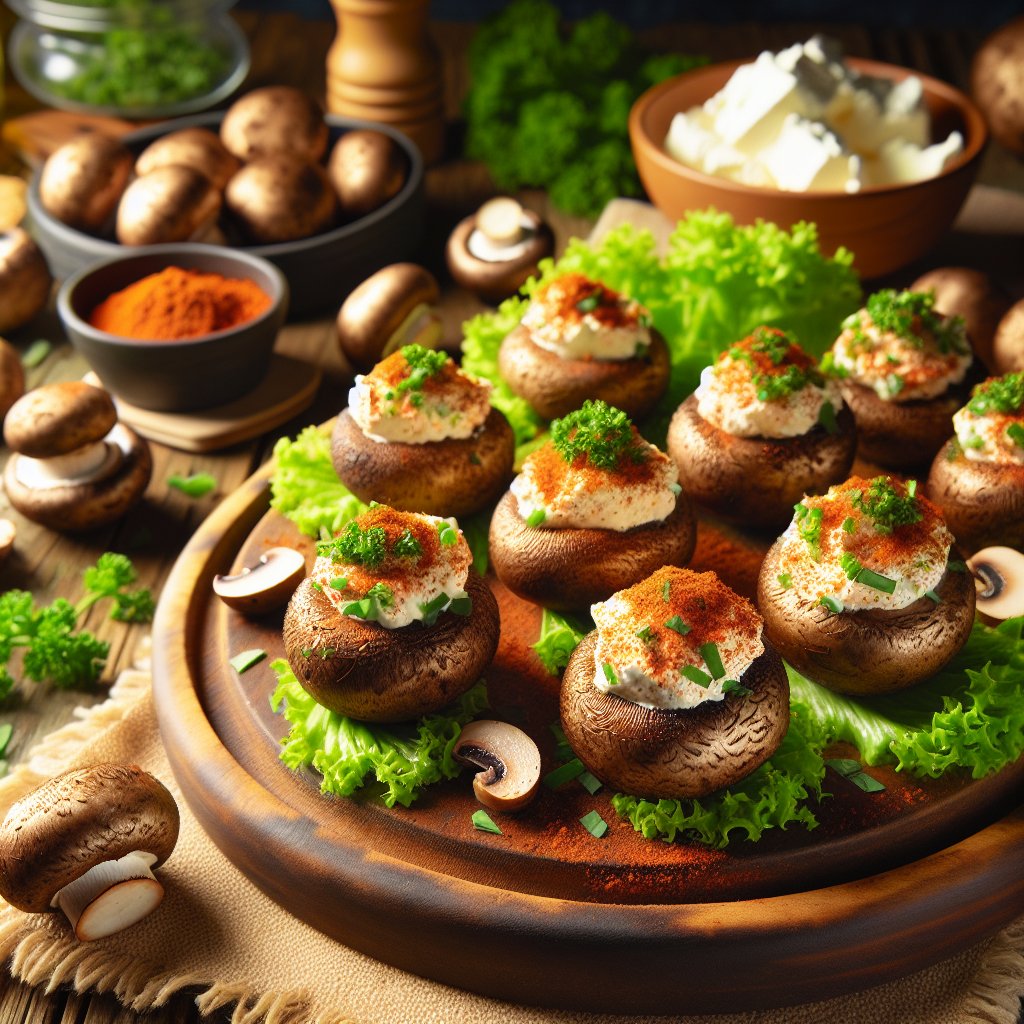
(175, 304)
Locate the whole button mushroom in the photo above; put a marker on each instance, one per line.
(1008, 346)
(82, 181)
(75, 467)
(390, 309)
(275, 121)
(170, 204)
(278, 199)
(493, 251)
(366, 168)
(997, 82)
(12, 378)
(507, 760)
(198, 148)
(24, 279)
(86, 843)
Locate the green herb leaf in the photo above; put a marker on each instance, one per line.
(407, 546)
(6, 731)
(833, 604)
(589, 302)
(594, 824)
(536, 517)
(1015, 432)
(696, 675)
(482, 821)
(713, 659)
(461, 605)
(666, 588)
(36, 354)
(430, 610)
(999, 395)
(244, 660)
(339, 583)
(590, 782)
(785, 580)
(566, 773)
(886, 507)
(735, 686)
(676, 624)
(646, 634)
(356, 546)
(827, 418)
(849, 524)
(610, 674)
(600, 433)
(559, 636)
(852, 771)
(447, 533)
(195, 486)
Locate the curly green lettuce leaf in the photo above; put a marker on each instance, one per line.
(349, 754)
(775, 796)
(970, 715)
(559, 636)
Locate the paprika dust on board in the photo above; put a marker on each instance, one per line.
(177, 304)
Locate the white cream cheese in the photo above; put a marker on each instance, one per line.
(991, 430)
(645, 641)
(450, 404)
(90, 462)
(576, 318)
(411, 582)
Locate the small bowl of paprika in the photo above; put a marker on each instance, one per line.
(176, 328)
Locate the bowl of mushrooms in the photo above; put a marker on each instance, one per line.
(326, 199)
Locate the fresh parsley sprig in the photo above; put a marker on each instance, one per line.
(599, 432)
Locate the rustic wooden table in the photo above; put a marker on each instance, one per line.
(289, 50)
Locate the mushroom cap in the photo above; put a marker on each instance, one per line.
(982, 503)
(170, 204)
(555, 386)
(280, 199)
(24, 279)
(507, 762)
(494, 280)
(454, 477)
(275, 120)
(55, 419)
(371, 316)
(903, 435)
(1008, 345)
(375, 674)
(570, 567)
(198, 148)
(972, 294)
(668, 754)
(77, 820)
(366, 168)
(77, 507)
(997, 83)
(757, 480)
(12, 377)
(871, 651)
(82, 180)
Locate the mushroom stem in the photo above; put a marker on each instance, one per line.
(999, 578)
(111, 896)
(500, 221)
(85, 463)
(492, 768)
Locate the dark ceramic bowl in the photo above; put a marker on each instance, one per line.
(174, 376)
(321, 270)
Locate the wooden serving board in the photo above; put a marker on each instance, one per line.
(888, 884)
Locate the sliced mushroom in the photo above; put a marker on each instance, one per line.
(507, 760)
(999, 577)
(86, 842)
(265, 586)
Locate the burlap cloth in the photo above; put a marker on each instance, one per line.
(216, 932)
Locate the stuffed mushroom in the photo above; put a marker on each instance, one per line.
(860, 595)
(579, 339)
(675, 694)
(393, 622)
(595, 509)
(763, 428)
(977, 479)
(904, 370)
(422, 435)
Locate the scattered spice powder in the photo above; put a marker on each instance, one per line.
(177, 304)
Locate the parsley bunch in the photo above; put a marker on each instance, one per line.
(423, 363)
(885, 506)
(999, 395)
(356, 546)
(599, 432)
(54, 650)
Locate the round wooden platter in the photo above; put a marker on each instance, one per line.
(887, 884)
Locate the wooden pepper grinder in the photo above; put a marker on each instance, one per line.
(383, 66)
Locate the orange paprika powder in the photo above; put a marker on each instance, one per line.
(175, 304)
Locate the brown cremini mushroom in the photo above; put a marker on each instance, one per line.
(75, 466)
(170, 204)
(366, 168)
(661, 753)
(997, 83)
(86, 842)
(391, 308)
(1008, 346)
(12, 378)
(277, 120)
(280, 199)
(265, 586)
(198, 148)
(24, 279)
(493, 251)
(507, 760)
(82, 181)
(999, 575)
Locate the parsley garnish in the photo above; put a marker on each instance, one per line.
(1015, 432)
(423, 364)
(599, 432)
(356, 546)
(713, 659)
(808, 525)
(407, 546)
(646, 634)
(1000, 394)
(886, 507)
(899, 312)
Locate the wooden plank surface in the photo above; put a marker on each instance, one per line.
(287, 49)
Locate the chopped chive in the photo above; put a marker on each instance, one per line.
(675, 623)
(339, 583)
(956, 566)
(536, 517)
(833, 604)
(876, 581)
(245, 660)
(562, 749)
(447, 533)
(610, 674)
(591, 783)
(853, 772)
(849, 524)
(6, 731)
(589, 303)
(675, 489)
(195, 486)
(363, 609)
(36, 353)
(461, 605)
(482, 821)
(695, 675)
(912, 488)
(316, 586)
(646, 634)
(566, 773)
(785, 580)
(594, 824)
(851, 565)
(432, 608)
(827, 418)
(713, 659)
(933, 596)
(735, 686)
(665, 588)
